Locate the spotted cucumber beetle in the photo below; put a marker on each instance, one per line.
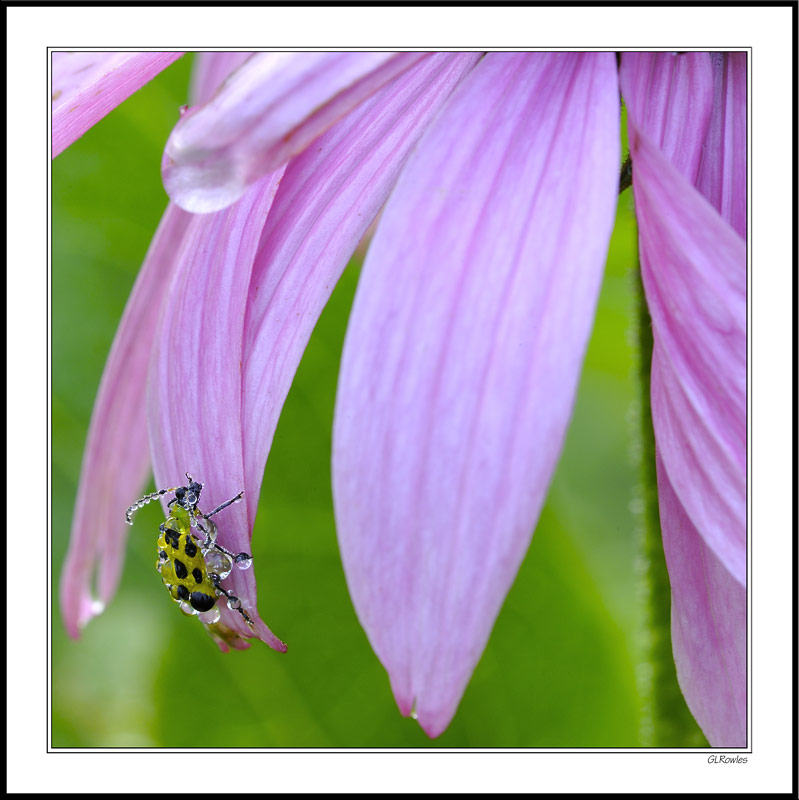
(193, 566)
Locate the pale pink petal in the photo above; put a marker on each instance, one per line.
(694, 270)
(270, 109)
(326, 200)
(210, 70)
(116, 461)
(722, 173)
(462, 358)
(708, 625)
(87, 85)
(693, 265)
(195, 390)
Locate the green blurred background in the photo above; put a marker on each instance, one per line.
(563, 665)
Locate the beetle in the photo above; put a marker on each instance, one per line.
(193, 566)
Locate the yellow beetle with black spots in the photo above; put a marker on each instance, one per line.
(192, 566)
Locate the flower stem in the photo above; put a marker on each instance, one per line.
(666, 720)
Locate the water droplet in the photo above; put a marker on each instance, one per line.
(187, 609)
(183, 110)
(217, 562)
(210, 617)
(97, 607)
(243, 561)
(233, 602)
(208, 529)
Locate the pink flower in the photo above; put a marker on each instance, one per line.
(466, 337)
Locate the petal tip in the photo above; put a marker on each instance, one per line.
(433, 724)
(199, 188)
(261, 630)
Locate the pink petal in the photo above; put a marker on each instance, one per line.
(722, 173)
(327, 198)
(670, 97)
(87, 85)
(195, 391)
(117, 458)
(210, 70)
(694, 271)
(269, 110)
(708, 625)
(462, 358)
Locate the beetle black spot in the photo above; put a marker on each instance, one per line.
(163, 556)
(172, 539)
(197, 575)
(201, 601)
(190, 548)
(183, 593)
(180, 569)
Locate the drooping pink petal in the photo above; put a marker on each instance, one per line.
(693, 265)
(722, 173)
(462, 358)
(195, 382)
(116, 460)
(708, 625)
(269, 110)
(327, 198)
(87, 85)
(694, 271)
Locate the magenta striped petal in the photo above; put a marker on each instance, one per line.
(327, 198)
(694, 270)
(670, 98)
(708, 625)
(195, 391)
(87, 85)
(722, 173)
(269, 110)
(117, 458)
(462, 358)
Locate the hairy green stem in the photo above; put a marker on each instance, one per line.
(666, 720)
